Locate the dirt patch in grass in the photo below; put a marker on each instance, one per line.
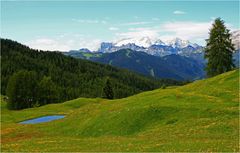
(21, 137)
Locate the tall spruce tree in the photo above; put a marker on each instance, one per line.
(219, 49)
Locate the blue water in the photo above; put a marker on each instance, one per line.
(43, 119)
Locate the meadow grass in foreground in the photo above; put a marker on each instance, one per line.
(201, 116)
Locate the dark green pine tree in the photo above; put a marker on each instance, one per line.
(107, 90)
(219, 49)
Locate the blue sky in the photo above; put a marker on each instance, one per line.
(65, 25)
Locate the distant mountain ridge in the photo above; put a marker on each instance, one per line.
(170, 66)
(150, 57)
(157, 47)
(152, 47)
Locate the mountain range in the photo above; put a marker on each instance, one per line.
(170, 66)
(176, 59)
(150, 46)
(157, 47)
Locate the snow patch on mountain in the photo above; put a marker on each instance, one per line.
(159, 42)
(141, 42)
(179, 43)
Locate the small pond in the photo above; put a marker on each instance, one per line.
(43, 119)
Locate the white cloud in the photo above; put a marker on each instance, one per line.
(113, 28)
(187, 30)
(193, 31)
(48, 44)
(138, 33)
(134, 23)
(64, 43)
(90, 21)
(177, 12)
(91, 44)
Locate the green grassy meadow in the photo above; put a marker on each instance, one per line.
(199, 117)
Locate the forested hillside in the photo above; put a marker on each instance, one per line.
(71, 78)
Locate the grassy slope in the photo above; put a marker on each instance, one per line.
(202, 116)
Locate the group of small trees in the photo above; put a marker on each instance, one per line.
(25, 90)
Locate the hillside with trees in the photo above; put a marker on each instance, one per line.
(35, 77)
